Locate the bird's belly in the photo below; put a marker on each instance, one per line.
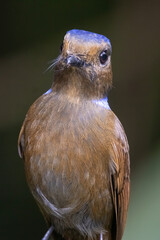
(83, 206)
(67, 169)
(73, 189)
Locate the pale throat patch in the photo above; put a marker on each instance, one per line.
(102, 102)
(49, 91)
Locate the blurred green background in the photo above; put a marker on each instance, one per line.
(30, 36)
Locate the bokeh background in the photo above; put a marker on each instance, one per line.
(30, 36)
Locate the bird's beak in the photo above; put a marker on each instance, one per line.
(74, 61)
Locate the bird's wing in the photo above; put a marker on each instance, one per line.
(120, 180)
(21, 142)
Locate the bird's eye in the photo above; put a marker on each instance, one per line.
(103, 57)
(61, 47)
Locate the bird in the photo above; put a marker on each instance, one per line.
(75, 150)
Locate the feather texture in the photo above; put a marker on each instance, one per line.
(75, 150)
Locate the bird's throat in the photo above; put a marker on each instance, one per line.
(75, 84)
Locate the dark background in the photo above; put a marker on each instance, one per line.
(30, 35)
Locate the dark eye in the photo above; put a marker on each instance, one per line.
(61, 47)
(103, 57)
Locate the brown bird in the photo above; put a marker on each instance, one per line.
(75, 150)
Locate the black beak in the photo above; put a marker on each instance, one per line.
(74, 61)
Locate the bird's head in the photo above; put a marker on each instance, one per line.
(85, 60)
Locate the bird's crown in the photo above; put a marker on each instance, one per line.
(86, 36)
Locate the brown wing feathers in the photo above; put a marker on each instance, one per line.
(120, 186)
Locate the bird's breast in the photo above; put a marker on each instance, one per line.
(67, 156)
